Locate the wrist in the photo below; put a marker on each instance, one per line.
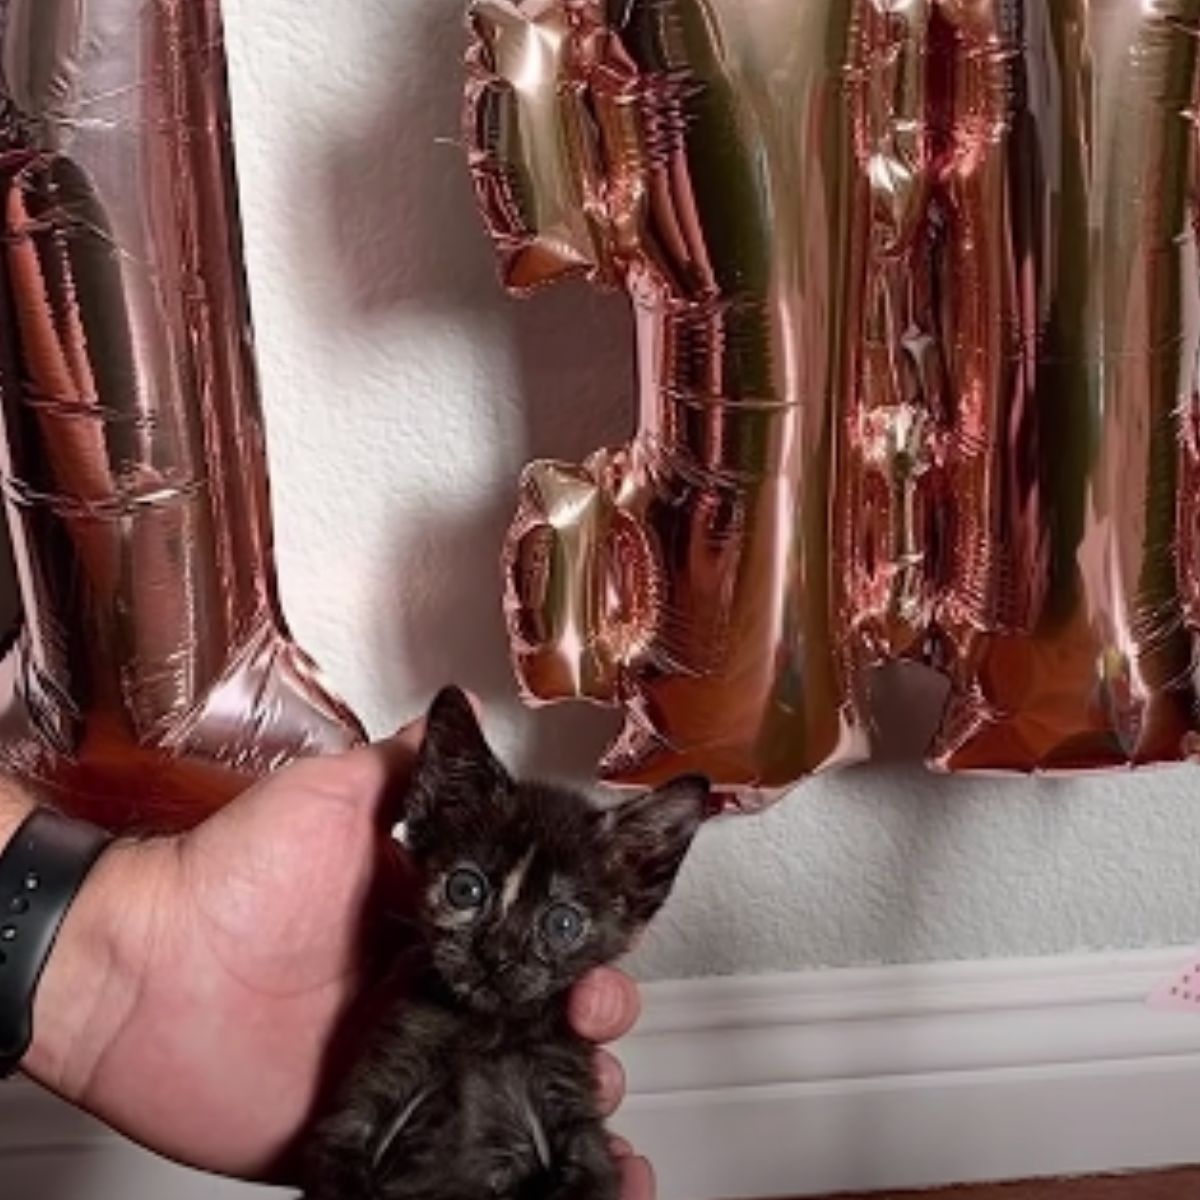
(87, 988)
(89, 984)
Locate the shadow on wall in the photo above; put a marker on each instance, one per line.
(50, 1150)
(111, 1170)
(62, 1173)
(906, 705)
(406, 234)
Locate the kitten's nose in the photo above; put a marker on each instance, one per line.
(499, 961)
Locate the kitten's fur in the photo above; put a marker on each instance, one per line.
(476, 1087)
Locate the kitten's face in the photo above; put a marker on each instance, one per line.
(516, 903)
(526, 886)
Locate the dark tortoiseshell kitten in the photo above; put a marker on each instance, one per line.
(476, 1087)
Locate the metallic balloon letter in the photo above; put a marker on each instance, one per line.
(1072, 296)
(156, 677)
(736, 211)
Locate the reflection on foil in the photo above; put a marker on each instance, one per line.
(156, 677)
(916, 290)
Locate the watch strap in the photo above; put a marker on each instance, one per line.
(41, 871)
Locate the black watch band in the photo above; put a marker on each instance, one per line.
(41, 871)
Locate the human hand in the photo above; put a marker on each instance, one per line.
(201, 983)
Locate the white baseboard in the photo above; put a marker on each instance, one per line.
(895, 1077)
(820, 1082)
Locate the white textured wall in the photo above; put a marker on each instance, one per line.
(404, 391)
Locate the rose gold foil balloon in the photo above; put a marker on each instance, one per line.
(918, 313)
(156, 677)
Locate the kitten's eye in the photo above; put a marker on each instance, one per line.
(562, 926)
(466, 888)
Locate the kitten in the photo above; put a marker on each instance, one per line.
(475, 1087)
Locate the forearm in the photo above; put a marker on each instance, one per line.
(88, 987)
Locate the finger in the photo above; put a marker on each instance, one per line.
(377, 775)
(399, 751)
(637, 1178)
(604, 1005)
(610, 1082)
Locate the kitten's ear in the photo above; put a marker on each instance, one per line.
(650, 837)
(452, 729)
(454, 755)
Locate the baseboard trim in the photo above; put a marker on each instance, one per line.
(893, 1077)
(844, 1080)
